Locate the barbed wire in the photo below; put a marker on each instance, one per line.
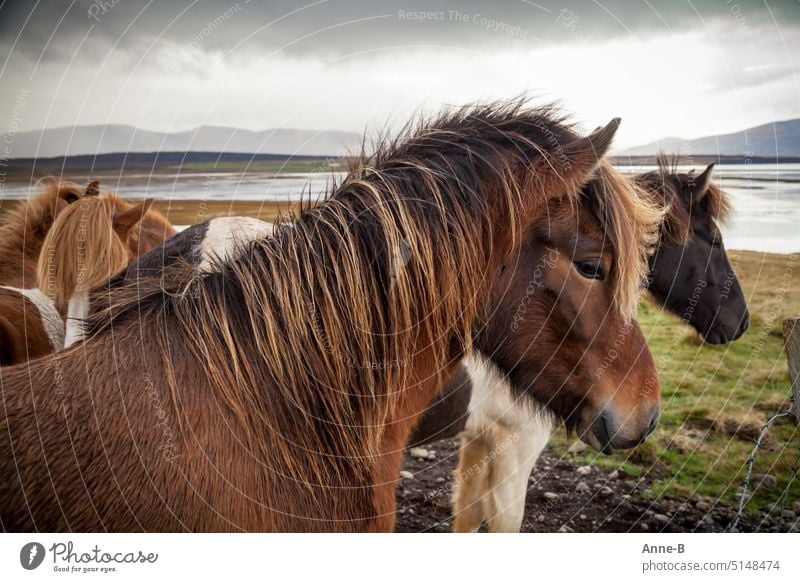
(750, 462)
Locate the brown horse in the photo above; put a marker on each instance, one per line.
(201, 248)
(31, 325)
(278, 391)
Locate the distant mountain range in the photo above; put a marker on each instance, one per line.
(772, 140)
(105, 139)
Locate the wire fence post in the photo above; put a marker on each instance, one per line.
(791, 341)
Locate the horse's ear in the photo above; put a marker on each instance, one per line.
(702, 182)
(125, 221)
(58, 205)
(597, 143)
(576, 161)
(93, 188)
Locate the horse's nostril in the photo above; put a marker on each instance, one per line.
(654, 415)
(601, 430)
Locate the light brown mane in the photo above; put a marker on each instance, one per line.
(81, 250)
(630, 219)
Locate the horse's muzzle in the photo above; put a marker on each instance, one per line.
(608, 433)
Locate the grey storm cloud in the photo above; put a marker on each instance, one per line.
(52, 29)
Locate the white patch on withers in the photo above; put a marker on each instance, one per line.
(226, 235)
(48, 314)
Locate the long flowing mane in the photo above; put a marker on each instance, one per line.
(674, 192)
(81, 249)
(23, 230)
(321, 309)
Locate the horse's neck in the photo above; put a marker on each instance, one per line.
(77, 311)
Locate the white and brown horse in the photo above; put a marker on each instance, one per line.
(277, 391)
(31, 323)
(501, 437)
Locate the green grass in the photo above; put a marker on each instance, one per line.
(715, 399)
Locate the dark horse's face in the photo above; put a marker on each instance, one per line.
(565, 341)
(694, 279)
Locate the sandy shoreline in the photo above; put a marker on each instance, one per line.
(187, 212)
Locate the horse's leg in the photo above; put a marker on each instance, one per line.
(471, 480)
(514, 457)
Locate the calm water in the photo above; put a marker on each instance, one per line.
(766, 198)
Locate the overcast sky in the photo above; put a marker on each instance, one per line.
(667, 67)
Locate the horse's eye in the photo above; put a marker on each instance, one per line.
(716, 243)
(591, 269)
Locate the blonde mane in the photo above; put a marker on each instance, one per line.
(630, 219)
(81, 250)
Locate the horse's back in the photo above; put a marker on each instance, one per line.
(71, 457)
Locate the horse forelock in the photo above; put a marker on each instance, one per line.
(81, 250)
(718, 205)
(674, 192)
(630, 220)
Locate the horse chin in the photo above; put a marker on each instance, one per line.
(715, 338)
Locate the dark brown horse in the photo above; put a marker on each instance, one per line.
(690, 274)
(690, 259)
(277, 392)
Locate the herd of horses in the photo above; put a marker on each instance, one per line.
(478, 276)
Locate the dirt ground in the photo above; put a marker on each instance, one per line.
(614, 502)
